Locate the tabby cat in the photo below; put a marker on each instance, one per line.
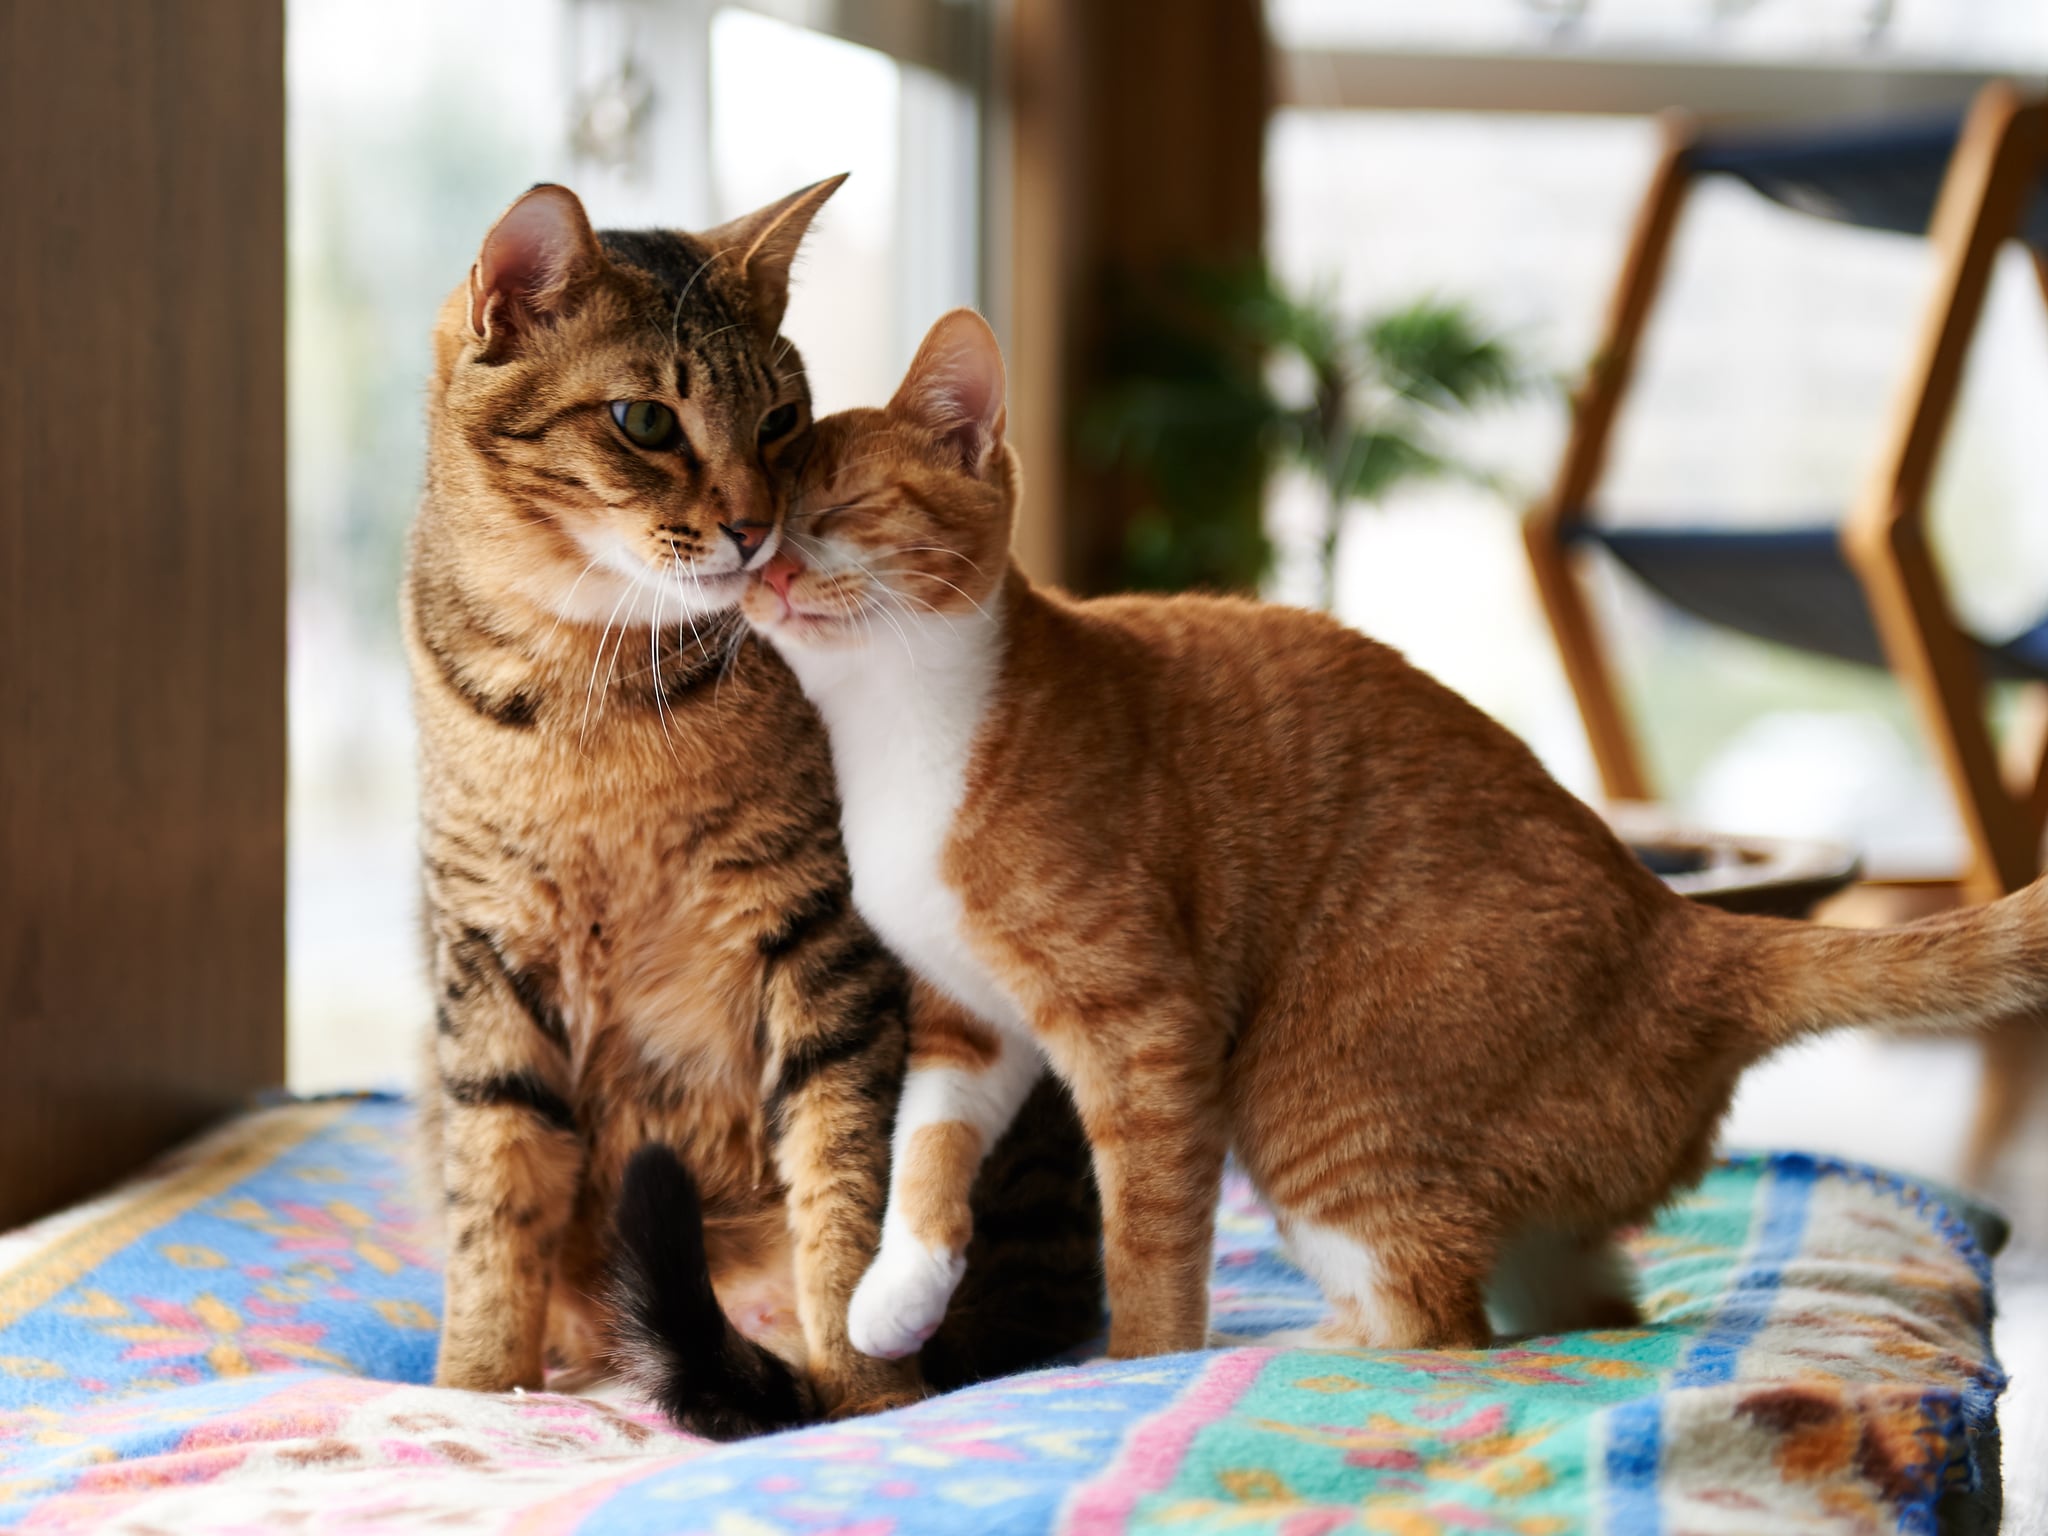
(1250, 881)
(636, 901)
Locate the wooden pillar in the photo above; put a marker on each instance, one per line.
(1138, 144)
(142, 580)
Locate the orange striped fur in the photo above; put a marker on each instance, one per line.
(1247, 880)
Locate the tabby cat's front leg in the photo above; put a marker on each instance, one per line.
(835, 1011)
(509, 1161)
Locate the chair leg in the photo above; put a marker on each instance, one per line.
(2025, 755)
(1586, 667)
(1594, 407)
(1982, 198)
(2012, 1059)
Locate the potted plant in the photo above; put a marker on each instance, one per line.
(1219, 379)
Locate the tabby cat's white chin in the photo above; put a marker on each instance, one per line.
(602, 595)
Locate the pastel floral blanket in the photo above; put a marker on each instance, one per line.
(239, 1341)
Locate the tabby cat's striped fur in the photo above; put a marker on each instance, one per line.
(635, 896)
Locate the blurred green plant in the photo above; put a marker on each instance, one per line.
(1219, 379)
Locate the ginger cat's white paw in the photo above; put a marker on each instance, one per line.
(902, 1299)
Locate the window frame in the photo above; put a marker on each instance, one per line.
(947, 124)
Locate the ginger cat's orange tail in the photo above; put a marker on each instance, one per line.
(1957, 973)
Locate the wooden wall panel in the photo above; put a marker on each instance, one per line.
(1138, 134)
(142, 579)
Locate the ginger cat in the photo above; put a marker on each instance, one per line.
(653, 996)
(1249, 881)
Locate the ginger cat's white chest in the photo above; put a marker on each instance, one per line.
(903, 715)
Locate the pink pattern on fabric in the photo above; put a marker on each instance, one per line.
(1104, 1506)
(1318, 1523)
(564, 1513)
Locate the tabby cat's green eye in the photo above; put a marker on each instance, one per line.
(648, 423)
(777, 423)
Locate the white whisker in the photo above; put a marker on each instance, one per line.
(734, 648)
(871, 605)
(661, 712)
(912, 597)
(718, 683)
(935, 549)
(612, 668)
(690, 614)
(583, 729)
(877, 577)
(683, 599)
(928, 576)
(562, 611)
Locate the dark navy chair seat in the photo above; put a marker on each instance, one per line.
(1789, 585)
(1882, 175)
(1792, 585)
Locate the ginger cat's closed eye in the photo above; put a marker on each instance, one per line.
(1247, 880)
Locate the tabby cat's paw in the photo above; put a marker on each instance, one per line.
(901, 1300)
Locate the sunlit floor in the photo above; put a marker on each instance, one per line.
(1906, 1105)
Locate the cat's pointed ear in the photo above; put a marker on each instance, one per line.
(955, 388)
(530, 260)
(761, 246)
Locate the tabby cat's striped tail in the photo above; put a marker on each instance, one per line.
(670, 1337)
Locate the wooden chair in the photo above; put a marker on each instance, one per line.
(1863, 587)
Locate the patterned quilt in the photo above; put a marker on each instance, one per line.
(238, 1342)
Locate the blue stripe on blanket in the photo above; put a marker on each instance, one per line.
(1635, 1434)
(1780, 1224)
(1635, 1430)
